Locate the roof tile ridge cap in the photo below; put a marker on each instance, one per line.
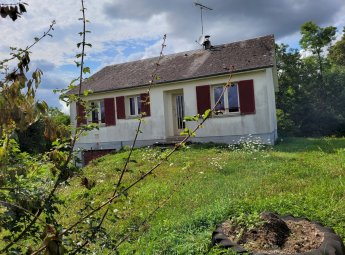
(152, 58)
(183, 53)
(131, 62)
(246, 40)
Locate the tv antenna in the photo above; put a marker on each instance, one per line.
(202, 7)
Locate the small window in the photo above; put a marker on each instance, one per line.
(233, 98)
(134, 105)
(102, 111)
(229, 101)
(97, 112)
(139, 104)
(94, 112)
(217, 94)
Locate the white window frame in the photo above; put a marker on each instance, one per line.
(99, 112)
(137, 106)
(226, 99)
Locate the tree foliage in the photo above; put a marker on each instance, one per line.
(337, 51)
(308, 105)
(39, 137)
(315, 38)
(12, 11)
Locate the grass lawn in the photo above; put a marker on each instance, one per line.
(299, 176)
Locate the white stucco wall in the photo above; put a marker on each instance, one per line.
(159, 125)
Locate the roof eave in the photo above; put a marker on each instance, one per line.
(185, 79)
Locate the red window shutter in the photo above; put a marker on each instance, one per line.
(109, 108)
(145, 104)
(246, 95)
(120, 106)
(81, 118)
(203, 98)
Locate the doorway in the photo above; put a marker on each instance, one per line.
(178, 113)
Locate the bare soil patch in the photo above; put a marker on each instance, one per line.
(275, 235)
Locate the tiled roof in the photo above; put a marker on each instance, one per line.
(243, 55)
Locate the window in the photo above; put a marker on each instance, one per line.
(229, 101)
(134, 105)
(233, 99)
(238, 98)
(97, 112)
(218, 96)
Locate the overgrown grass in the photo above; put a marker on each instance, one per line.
(299, 176)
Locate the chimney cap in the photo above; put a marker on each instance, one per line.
(207, 43)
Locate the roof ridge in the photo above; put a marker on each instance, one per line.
(189, 51)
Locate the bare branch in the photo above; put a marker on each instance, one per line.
(124, 169)
(37, 40)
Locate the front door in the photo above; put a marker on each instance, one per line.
(178, 114)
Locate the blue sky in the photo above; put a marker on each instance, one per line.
(123, 31)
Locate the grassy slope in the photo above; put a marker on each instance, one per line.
(303, 177)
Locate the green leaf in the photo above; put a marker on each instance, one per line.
(87, 92)
(77, 63)
(73, 81)
(196, 117)
(188, 118)
(206, 114)
(86, 70)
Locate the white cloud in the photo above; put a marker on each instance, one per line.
(64, 108)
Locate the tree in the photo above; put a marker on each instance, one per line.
(18, 105)
(315, 38)
(289, 96)
(39, 136)
(306, 104)
(337, 51)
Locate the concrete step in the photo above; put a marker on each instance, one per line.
(174, 139)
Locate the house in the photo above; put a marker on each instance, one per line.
(190, 83)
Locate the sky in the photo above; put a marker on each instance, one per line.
(123, 31)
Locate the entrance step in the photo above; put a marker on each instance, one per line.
(174, 139)
(170, 141)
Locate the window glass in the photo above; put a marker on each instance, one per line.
(233, 98)
(102, 111)
(139, 104)
(94, 115)
(217, 93)
(131, 106)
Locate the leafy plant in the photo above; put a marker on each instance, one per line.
(12, 11)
